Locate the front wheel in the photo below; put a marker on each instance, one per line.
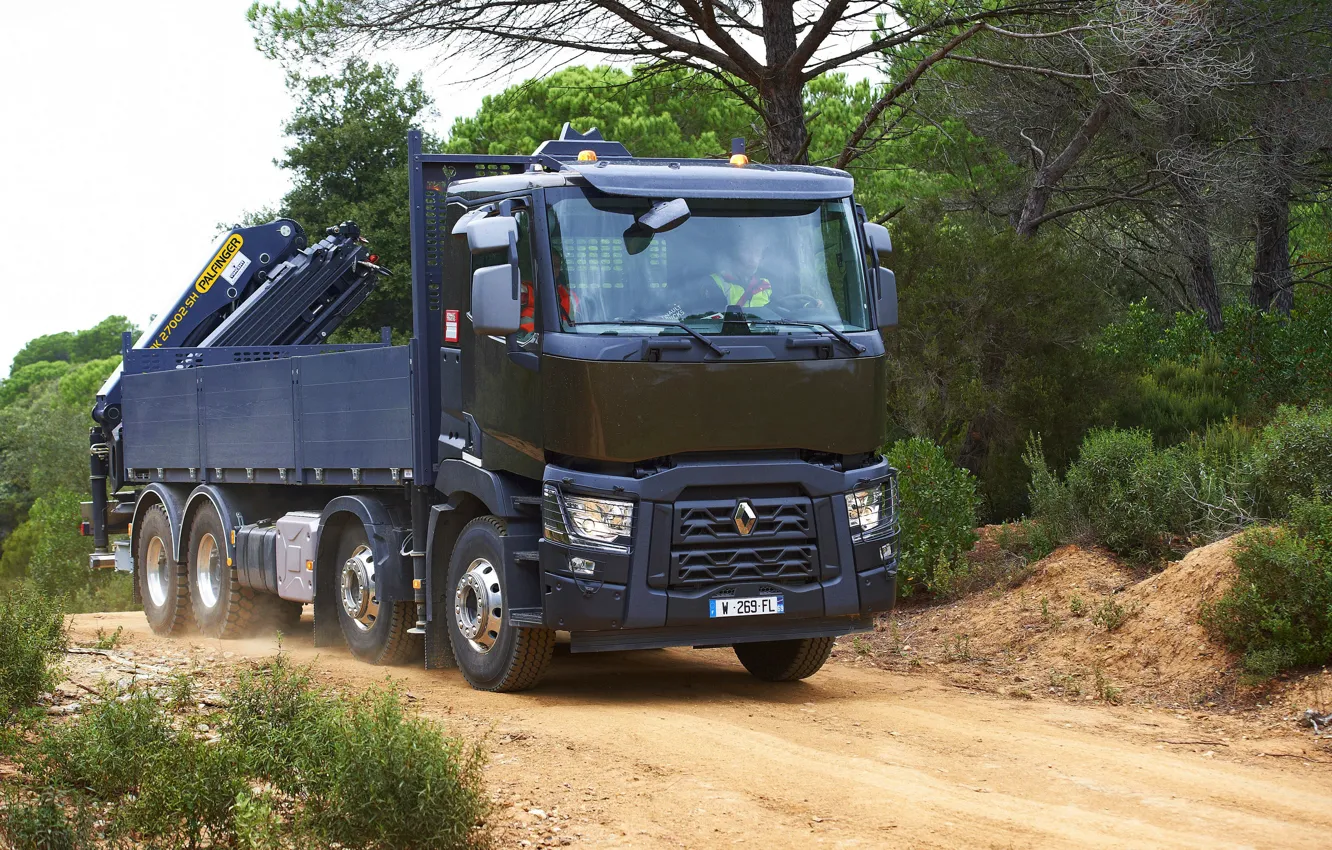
(493, 654)
(784, 660)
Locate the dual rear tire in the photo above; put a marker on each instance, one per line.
(203, 591)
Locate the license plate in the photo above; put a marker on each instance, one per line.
(746, 607)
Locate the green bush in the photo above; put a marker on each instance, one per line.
(1174, 399)
(1265, 359)
(937, 506)
(1221, 480)
(370, 774)
(32, 637)
(1278, 614)
(1057, 518)
(1131, 494)
(1121, 492)
(358, 772)
(59, 564)
(44, 821)
(1293, 457)
(110, 751)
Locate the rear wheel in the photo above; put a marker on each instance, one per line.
(493, 654)
(375, 629)
(163, 582)
(784, 660)
(222, 608)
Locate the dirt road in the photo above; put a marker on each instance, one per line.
(682, 748)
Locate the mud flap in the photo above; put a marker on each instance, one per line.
(439, 547)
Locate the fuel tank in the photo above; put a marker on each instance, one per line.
(633, 411)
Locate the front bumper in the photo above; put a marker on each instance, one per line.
(656, 595)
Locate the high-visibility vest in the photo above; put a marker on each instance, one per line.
(755, 295)
(527, 315)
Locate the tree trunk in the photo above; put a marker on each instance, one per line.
(1200, 275)
(784, 115)
(1273, 282)
(783, 93)
(1051, 171)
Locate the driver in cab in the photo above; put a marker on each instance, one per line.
(739, 281)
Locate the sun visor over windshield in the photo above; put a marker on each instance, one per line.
(694, 179)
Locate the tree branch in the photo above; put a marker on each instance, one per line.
(1044, 72)
(849, 151)
(818, 33)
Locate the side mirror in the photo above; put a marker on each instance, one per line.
(495, 233)
(495, 304)
(886, 302)
(880, 241)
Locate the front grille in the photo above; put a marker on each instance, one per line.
(703, 567)
(708, 549)
(714, 521)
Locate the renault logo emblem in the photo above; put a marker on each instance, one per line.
(745, 518)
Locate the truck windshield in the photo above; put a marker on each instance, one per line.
(760, 265)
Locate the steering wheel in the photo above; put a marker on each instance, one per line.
(794, 301)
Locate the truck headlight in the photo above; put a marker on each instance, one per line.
(599, 523)
(872, 510)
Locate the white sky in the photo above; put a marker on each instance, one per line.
(129, 131)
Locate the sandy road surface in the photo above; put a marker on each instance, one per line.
(682, 748)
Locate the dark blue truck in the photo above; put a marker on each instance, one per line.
(640, 405)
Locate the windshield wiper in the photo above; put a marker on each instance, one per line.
(720, 352)
(841, 337)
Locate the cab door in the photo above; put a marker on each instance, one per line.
(503, 395)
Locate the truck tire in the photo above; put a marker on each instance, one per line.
(163, 582)
(222, 608)
(375, 634)
(493, 654)
(784, 660)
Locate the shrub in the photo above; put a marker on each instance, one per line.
(354, 772)
(169, 784)
(1293, 457)
(1278, 614)
(1110, 615)
(59, 563)
(32, 636)
(44, 822)
(1130, 494)
(370, 774)
(1266, 359)
(937, 507)
(110, 750)
(1057, 518)
(1221, 481)
(1173, 399)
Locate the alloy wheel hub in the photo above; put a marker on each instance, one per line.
(478, 605)
(359, 600)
